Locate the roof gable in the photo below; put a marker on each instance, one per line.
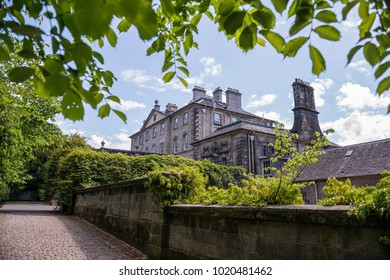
(153, 117)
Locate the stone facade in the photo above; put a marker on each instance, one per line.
(222, 132)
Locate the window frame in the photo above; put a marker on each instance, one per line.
(185, 118)
(217, 121)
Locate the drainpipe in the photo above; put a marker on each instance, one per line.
(250, 152)
(316, 191)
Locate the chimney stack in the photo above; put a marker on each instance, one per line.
(233, 99)
(198, 93)
(170, 108)
(217, 94)
(305, 114)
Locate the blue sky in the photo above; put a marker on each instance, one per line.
(344, 95)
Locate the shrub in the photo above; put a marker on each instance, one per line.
(174, 184)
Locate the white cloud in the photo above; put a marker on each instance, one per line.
(361, 66)
(210, 67)
(360, 127)
(68, 127)
(320, 87)
(116, 141)
(356, 97)
(140, 77)
(275, 116)
(126, 105)
(351, 23)
(256, 101)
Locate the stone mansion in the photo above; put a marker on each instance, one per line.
(222, 132)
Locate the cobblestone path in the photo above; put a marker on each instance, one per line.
(36, 232)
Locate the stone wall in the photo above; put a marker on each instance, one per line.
(129, 211)
(134, 214)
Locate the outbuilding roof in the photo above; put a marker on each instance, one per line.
(370, 158)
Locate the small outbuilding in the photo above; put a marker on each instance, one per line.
(361, 163)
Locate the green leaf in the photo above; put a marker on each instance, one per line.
(347, 8)
(318, 61)
(27, 54)
(167, 65)
(168, 7)
(383, 85)
(93, 17)
(298, 26)
(363, 9)
(56, 84)
(328, 32)
(226, 7)
(184, 70)
(293, 8)
(326, 16)
(261, 42)
(72, 107)
(111, 37)
(366, 25)
(274, 39)
(114, 98)
(140, 13)
(291, 48)
(20, 74)
(121, 115)
(104, 111)
(248, 38)
(169, 76)
(382, 69)
(188, 42)
(98, 56)
(124, 25)
(280, 5)
(371, 53)
(4, 55)
(383, 40)
(234, 22)
(322, 5)
(27, 30)
(53, 65)
(183, 81)
(352, 53)
(264, 17)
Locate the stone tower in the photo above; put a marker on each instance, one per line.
(305, 113)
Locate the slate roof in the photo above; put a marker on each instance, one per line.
(370, 158)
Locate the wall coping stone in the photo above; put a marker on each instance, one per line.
(305, 214)
(124, 184)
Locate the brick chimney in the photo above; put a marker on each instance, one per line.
(233, 99)
(170, 108)
(198, 93)
(305, 113)
(217, 94)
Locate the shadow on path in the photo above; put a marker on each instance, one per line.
(38, 231)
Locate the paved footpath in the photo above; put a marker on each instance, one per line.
(37, 232)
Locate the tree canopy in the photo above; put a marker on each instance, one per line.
(26, 128)
(63, 33)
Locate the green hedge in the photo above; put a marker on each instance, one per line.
(70, 169)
